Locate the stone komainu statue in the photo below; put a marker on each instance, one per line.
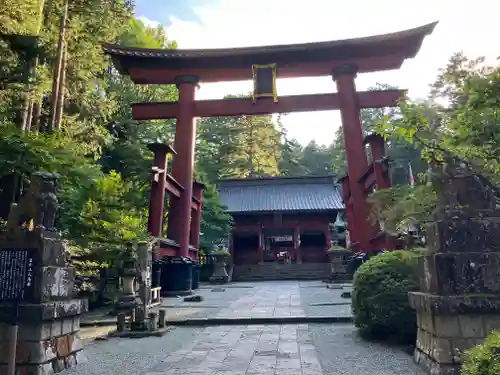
(38, 207)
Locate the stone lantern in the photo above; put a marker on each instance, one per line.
(128, 300)
(220, 273)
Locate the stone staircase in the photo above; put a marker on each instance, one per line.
(277, 271)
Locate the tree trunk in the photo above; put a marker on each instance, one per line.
(57, 68)
(61, 90)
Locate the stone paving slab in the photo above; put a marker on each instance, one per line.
(302, 349)
(246, 350)
(256, 300)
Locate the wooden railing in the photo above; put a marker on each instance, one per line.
(155, 297)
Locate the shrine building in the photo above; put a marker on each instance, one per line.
(274, 216)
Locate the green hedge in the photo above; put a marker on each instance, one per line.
(483, 359)
(380, 296)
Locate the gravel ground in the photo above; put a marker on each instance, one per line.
(130, 356)
(318, 300)
(342, 352)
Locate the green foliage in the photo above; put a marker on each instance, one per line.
(235, 147)
(402, 205)
(220, 252)
(139, 35)
(108, 217)
(380, 296)
(464, 129)
(215, 222)
(337, 249)
(100, 154)
(483, 359)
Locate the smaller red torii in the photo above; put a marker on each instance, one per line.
(161, 183)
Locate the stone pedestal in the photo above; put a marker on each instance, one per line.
(48, 339)
(459, 299)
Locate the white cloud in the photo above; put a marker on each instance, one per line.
(237, 23)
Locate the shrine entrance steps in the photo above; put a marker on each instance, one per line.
(278, 271)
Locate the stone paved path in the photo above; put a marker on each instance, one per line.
(271, 349)
(248, 350)
(304, 349)
(265, 299)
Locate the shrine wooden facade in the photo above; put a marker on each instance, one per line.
(274, 216)
(342, 60)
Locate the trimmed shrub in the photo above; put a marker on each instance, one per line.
(380, 296)
(483, 359)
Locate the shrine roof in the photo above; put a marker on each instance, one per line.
(399, 45)
(281, 194)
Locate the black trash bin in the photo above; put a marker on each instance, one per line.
(156, 273)
(176, 276)
(196, 275)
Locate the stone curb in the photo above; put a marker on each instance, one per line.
(237, 321)
(139, 334)
(251, 321)
(98, 323)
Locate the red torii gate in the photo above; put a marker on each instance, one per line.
(342, 60)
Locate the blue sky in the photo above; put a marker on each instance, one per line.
(463, 26)
(162, 10)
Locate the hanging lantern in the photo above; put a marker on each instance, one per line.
(264, 82)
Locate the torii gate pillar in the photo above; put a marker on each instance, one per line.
(357, 162)
(179, 215)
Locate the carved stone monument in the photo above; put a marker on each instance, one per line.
(40, 298)
(459, 299)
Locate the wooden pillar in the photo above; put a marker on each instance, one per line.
(382, 177)
(349, 209)
(296, 244)
(328, 238)
(230, 245)
(157, 195)
(261, 245)
(377, 146)
(349, 213)
(196, 216)
(357, 162)
(179, 215)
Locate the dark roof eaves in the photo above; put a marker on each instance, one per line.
(418, 32)
(260, 212)
(286, 179)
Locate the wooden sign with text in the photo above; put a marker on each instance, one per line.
(17, 275)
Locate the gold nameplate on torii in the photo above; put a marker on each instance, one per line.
(264, 82)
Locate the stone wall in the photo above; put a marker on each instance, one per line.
(447, 325)
(48, 319)
(48, 339)
(458, 304)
